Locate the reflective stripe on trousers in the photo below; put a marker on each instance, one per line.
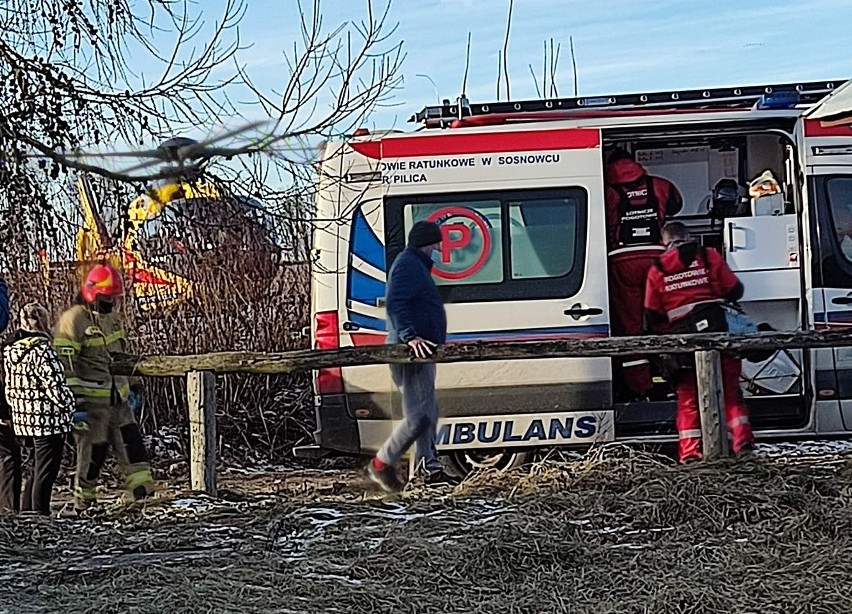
(84, 494)
(138, 478)
(738, 421)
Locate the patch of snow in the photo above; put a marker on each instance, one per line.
(330, 576)
(795, 450)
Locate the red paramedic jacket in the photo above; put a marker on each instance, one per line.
(626, 174)
(685, 276)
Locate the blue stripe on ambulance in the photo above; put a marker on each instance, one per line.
(366, 323)
(365, 244)
(363, 288)
(841, 317)
(370, 324)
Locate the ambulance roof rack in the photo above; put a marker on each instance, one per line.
(727, 97)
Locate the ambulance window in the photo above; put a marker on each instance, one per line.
(840, 203)
(499, 245)
(542, 237)
(472, 252)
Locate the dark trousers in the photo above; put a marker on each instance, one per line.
(41, 466)
(416, 383)
(10, 470)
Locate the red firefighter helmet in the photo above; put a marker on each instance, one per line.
(102, 280)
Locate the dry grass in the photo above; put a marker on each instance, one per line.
(617, 532)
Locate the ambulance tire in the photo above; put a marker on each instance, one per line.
(465, 462)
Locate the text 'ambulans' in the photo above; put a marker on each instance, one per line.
(514, 431)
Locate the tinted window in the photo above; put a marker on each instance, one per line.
(542, 235)
(840, 204)
(499, 245)
(472, 249)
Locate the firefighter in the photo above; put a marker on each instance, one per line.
(637, 204)
(88, 337)
(685, 288)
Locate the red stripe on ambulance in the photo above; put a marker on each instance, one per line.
(479, 143)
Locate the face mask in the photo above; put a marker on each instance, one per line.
(436, 256)
(102, 306)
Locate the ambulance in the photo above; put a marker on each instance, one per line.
(518, 190)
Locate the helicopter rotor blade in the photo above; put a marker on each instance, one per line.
(78, 155)
(144, 153)
(225, 152)
(143, 165)
(232, 133)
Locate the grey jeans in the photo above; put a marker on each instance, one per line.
(416, 383)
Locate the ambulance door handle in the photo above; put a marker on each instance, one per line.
(842, 300)
(578, 312)
(731, 246)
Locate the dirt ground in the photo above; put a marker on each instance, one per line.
(619, 531)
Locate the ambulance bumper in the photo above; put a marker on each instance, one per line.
(337, 431)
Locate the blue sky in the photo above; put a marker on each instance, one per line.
(620, 45)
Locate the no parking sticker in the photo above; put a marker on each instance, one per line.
(465, 244)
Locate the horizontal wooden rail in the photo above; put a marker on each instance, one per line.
(304, 360)
(201, 368)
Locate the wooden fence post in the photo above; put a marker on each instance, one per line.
(711, 404)
(201, 397)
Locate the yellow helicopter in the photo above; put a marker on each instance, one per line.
(152, 286)
(167, 227)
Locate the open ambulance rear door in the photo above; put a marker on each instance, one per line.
(825, 145)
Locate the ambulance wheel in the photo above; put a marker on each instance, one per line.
(466, 462)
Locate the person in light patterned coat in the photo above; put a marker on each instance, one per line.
(41, 404)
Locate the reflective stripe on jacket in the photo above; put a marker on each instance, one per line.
(86, 341)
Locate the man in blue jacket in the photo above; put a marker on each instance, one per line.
(4, 305)
(416, 317)
(10, 455)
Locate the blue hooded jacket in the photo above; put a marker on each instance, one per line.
(414, 307)
(4, 321)
(4, 305)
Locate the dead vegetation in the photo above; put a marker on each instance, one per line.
(619, 531)
(104, 78)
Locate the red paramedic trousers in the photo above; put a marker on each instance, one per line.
(627, 274)
(688, 420)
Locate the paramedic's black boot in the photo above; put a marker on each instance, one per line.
(385, 477)
(441, 478)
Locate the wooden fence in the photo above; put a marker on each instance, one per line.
(200, 371)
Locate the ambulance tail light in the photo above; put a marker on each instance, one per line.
(327, 337)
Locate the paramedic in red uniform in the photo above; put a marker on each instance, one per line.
(637, 204)
(685, 288)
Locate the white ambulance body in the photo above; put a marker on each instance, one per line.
(518, 189)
